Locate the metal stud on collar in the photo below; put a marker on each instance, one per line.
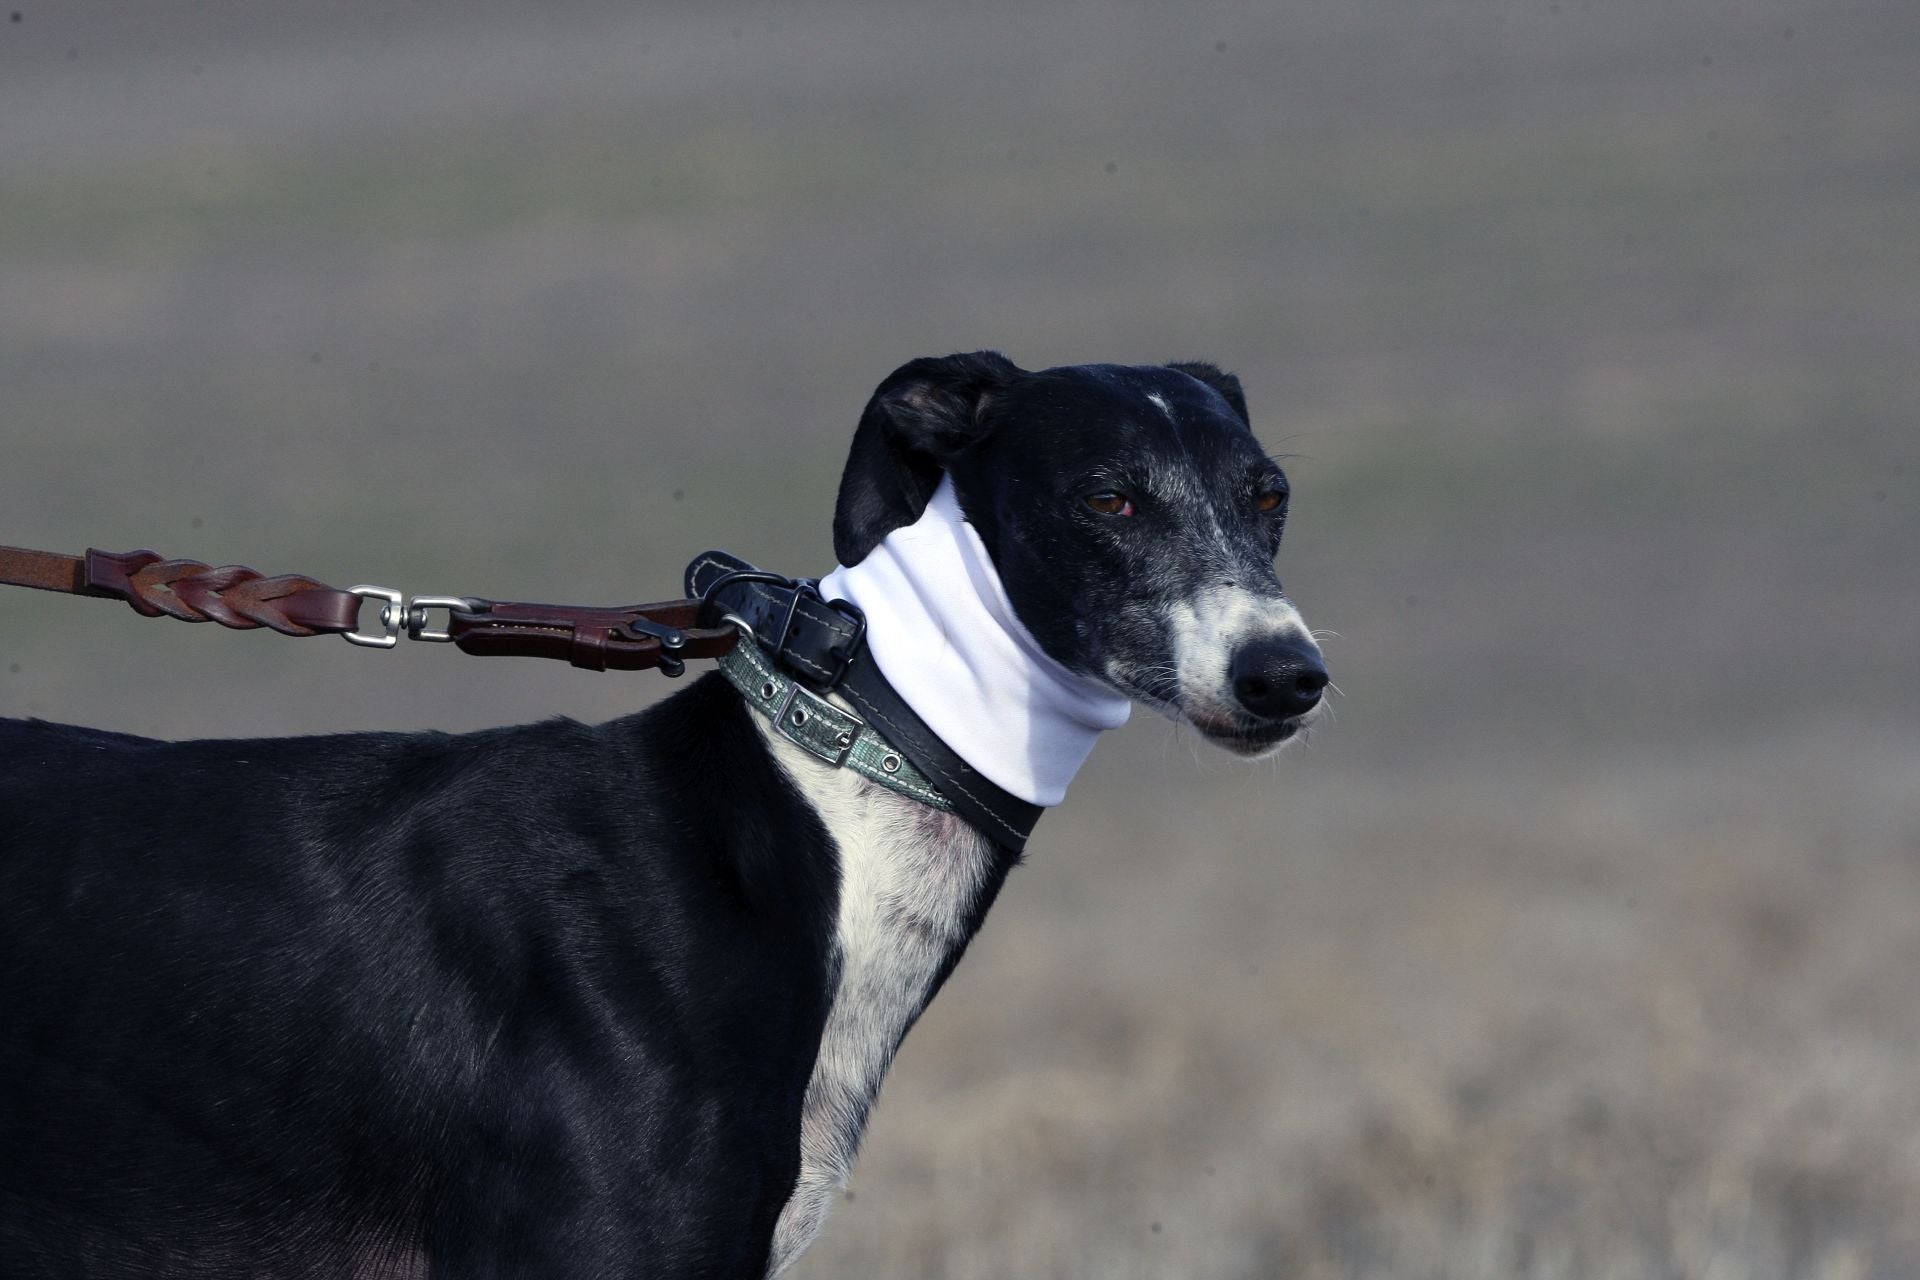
(832, 733)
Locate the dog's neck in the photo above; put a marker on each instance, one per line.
(945, 636)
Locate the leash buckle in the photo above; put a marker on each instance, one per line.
(858, 617)
(809, 588)
(801, 588)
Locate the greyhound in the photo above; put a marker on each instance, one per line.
(615, 1000)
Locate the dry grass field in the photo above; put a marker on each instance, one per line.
(1583, 943)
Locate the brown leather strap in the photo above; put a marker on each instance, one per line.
(591, 638)
(190, 590)
(597, 639)
(44, 571)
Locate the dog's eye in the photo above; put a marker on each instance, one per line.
(1110, 504)
(1270, 500)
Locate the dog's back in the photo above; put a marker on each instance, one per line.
(330, 1006)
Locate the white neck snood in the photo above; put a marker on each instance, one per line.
(944, 634)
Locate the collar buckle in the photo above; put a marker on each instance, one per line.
(843, 653)
(799, 715)
(815, 725)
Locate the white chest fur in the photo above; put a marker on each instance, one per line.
(909, 876)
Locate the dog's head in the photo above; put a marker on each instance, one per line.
(1130, 513)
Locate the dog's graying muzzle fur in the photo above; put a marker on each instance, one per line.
(1247, 674)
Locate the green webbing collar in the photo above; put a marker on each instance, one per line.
(815, 725)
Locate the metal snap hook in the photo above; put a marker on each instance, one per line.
(392, 617)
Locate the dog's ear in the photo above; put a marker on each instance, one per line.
(924, 414)
(1225, 383)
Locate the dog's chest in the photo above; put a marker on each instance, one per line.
(910, 879)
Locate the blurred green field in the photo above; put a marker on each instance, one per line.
(1579, 944)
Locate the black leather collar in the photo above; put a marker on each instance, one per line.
(824, 645)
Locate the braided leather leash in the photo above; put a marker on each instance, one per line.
(797, 633)
(629, 638)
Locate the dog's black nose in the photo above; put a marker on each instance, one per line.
(1276, 678)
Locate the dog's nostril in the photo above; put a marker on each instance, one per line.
(1276, 680)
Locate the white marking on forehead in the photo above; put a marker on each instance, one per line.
(1161, 401)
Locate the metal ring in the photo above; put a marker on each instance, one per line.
(742, 625)
(738, 575)
(890, 762)
(744, 575)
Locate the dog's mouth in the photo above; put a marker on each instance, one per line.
(1224, 726)
(1245, 738)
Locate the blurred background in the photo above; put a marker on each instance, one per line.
(1584, 941)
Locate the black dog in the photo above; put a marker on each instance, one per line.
(560, 1000)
